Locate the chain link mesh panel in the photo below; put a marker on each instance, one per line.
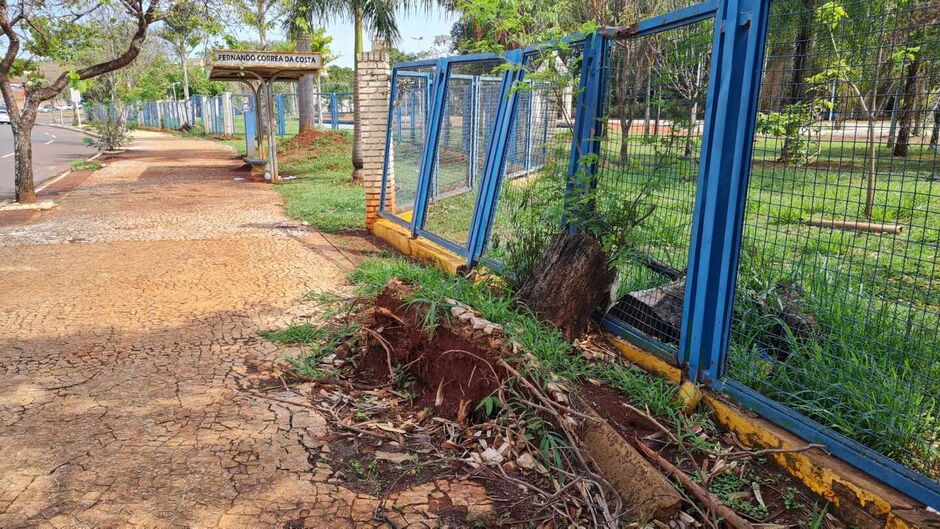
(408, 133)
(530, 210)
(461, 155)
(648, 171)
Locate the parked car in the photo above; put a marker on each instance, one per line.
(45, 108)
(4, 116)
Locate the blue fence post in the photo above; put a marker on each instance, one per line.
(585, 144)
(474, 129)
(250, 128)
(334, 111)
(413, 112)
(497, 149)
(730, 115)
(281, 115)
(429, 154)
(397, 122)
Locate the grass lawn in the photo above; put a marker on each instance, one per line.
(323, 193)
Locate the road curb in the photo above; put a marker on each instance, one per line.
(62, 175)
(68, 127)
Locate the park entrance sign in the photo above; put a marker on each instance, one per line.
(260, 69)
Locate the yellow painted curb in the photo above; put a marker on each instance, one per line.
(858, 498)
(691, 395)
(645, 360)
(420, 248)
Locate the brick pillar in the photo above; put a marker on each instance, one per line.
(373, 114)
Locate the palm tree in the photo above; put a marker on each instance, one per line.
(376, 16)
(300, 28)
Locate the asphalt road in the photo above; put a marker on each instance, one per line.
(53, 150)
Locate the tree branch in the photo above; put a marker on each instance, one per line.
(144, 19)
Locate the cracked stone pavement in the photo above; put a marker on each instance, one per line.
(128, 332)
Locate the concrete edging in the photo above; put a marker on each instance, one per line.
(69, 127)
(419, 248)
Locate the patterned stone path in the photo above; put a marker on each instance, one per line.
(128, 337)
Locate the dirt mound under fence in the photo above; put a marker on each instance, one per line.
(454, 366)
(406, 392)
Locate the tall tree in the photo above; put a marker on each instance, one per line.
(797, 93)
(185, 27)
(376, 16)
(259, 15)
(858, 38)
(300, 27)
(56, 30)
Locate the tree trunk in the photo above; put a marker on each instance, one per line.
(318, 100)
(906, 118)
(802, 49)
(186, 101)
(305, 98)
(573, 280)
(893, 127)
(872, 165)
(693, 114)
(935, 133)
(357, 125)
(649, 96)
(625, 121)
(25, 190)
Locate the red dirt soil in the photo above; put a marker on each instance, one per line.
(452, 369)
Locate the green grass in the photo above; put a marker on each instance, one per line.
(872, 372)
(544, 342)
(237, 143)
(323, 192)
(85, 165)
(304, 333)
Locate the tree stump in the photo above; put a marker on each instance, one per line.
(571, 282)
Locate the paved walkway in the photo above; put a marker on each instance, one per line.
(129, 347)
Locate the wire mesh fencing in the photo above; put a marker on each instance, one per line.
(826, 319)
(412, 97)
(837, 305)
(461, 152)
(648, 171)
(225, 114)
(530, 210)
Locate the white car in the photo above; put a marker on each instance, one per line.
(4, 116)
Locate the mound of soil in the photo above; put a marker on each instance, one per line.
(454, 365)
(316, 139)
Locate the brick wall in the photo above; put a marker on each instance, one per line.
(373, 114)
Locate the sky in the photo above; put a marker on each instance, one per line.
(417, 33)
